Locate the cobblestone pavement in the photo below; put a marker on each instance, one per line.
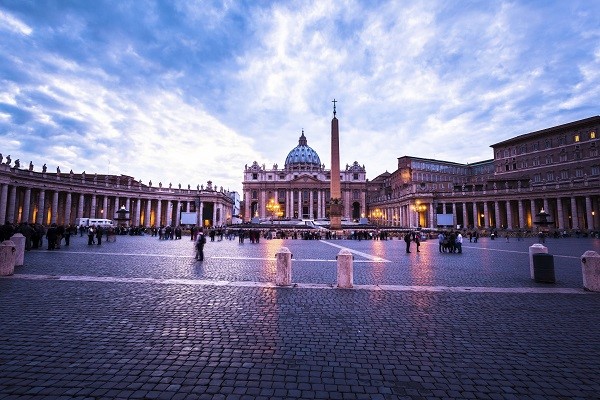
(141, 319)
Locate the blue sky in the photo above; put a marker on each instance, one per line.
(191, 91)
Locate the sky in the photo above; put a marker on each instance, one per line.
(191, 91)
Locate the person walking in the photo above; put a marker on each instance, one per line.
(407, 240)
(200, 242)
(458, 242)
(99, 232)
(418, 241)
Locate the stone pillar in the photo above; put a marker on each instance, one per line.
(454, 217)
(560, 213)
(310, 204)
(26, 206)
(283, 275)
(3, 201)
(320, 204)
(262, 205)
(535, 249)
(12, 204)
(464, 215)
(497, 221)
(68, 205)
(345, 273)
(201, 214)
(54, 214)
(590, 268)
(533, 210)
(138, 212)
(40, 218)
(509, 223)
(475, 216)
(105, 211)
(169, 212)
(290, 206)
(588, 210)
(431, 215)
(486, 215)
(574, 215)
(522, 224)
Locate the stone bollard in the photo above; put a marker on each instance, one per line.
(283, 275)
(590, 266)
(7, 258)
(344, 269)
(19, 241)
(535, 249)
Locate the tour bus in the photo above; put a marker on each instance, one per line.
(105, 223)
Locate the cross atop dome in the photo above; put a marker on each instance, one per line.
(334, 101)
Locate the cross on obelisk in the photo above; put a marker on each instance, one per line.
(335, 205)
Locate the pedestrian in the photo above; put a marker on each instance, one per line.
(52, 235)
(441, 244)
(91, 234)
(407, 240)
(418, 241)
(200, 242)
(458, 242)
(99, 232)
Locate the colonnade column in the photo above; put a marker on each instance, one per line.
(497, 214)
(214, 216)
(588, 210)
(201, 214)
(12, 203)
(138, 212)
(68, 205)
(41, 207)
(560, 212)
(148, 213)
(291, 205)
(93, 208)
(475, 216)
(80, 205)
(533, 211)
(486, 215)
(3, 202)
(521, 214)
(26, 206)
(431, 216)
(509, 223)
(54, 215)
(464, 213)
(158, 219)
(169, 221)
(310, 204)
(320, 204)
(574, 215)
(262, 205)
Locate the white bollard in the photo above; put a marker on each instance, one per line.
(7, 258)
(283, 275)
(535, 249)
(19, 241)
(590, 267)
(345, 271)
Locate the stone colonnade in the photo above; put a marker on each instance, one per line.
(41, 198)
(564, 212)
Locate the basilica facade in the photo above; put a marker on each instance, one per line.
(301, 189)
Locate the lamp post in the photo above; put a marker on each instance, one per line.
(419, 208)
(272, 207)
(377, 214)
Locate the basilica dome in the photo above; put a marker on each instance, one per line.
(302, 156)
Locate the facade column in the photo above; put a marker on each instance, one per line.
(291, 205)
(41, 208)
(521, 214)
(138, 212)
(201, 210)
(546, 205)
(475, 216)
(104, 211)
(533, 211)
(454, 216)
(509, 223)
(262, 205)
(310, 204)
(68, 205)
(26, 206)
(319, 204)
(464, 215)
(588, 211)
(214, 216)
(12, 204)
(169, 216)
(431, 216)
(574, 216)
(54, 215)
(3, 202)
(486, 215)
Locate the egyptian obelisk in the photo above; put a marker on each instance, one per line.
(335, 205)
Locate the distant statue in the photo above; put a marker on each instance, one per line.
(30, 166)
(44, 168)
(150, 183)
(17, 163)
(58, 170)
(201, 187)
(180, 186)
(160, 185)
(170, 185)
(8, 159)
(95, 177)
(197, 187)
(1, 158)
(188, 186)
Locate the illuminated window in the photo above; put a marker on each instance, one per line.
(593, 135)
(576, 138)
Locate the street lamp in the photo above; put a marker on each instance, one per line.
(273, 208)
(377, 213)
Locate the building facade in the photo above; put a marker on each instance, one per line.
(301, 189)
(45, 198)
(556, 170)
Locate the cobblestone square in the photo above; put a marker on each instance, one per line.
(141, 319)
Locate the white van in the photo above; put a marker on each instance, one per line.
(105, 223)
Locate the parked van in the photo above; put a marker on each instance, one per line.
(105, 223)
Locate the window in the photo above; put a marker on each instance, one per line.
(355, 176)
(564, 174)
(536, 146)
(506, 153)
(563, 156)
(356, 194)
(593, 152)
(270, 177)
(537, 178)
(536, 161)
(550, 176)
(576, 138)
(254, 176)
(561, 141)
(254, 194)
(595, 170)
(579, 173)
(593, 135)
(548, 143)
